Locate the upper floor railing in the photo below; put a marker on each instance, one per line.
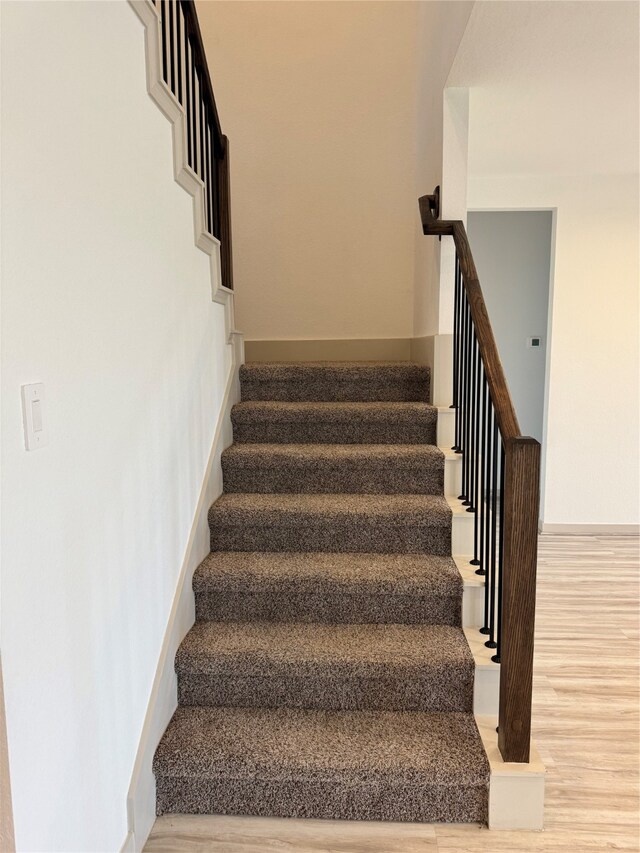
(185, 71)
(500, 486)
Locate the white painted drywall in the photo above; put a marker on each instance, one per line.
(319, 104)
(512, 252)
(591, 442)
(441, 27)
(551, 128)
(107, 301)
(556, 85)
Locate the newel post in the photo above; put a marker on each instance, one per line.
(521, 511)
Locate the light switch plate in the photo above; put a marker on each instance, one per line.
(33, 416)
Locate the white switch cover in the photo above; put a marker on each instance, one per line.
(35, 433)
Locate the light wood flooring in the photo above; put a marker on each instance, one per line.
(586, 728)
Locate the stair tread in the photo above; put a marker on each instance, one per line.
(333, 371)
(401, 455)
(259, 571)
(285, 410)
(331, 587)
(307, 509)
(362, 747)
(268, 648)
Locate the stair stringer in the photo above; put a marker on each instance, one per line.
(163, 699)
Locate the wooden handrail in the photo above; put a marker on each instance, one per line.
(186, 74)
(498, 387)
(192, 27)
(512, 579)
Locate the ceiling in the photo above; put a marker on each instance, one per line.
(554, 87)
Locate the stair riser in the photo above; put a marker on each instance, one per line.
(358, 535)
(453, 477)
(433, 691)
(335, 432)
(446, 427)
(334, 478)
(463, 526)
(336, 392)
(331, 606)
(324, 799)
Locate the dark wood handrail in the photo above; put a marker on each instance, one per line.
(192, 27)
(186, 75)
(499, 389)
(510, 573)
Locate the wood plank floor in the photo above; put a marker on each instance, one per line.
(586, 727)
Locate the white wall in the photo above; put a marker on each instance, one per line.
(319, 101)
(591, 442)
(512, 252)
(441, 27)
(107, 301)
(551, 128)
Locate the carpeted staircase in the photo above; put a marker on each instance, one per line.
(327, 674)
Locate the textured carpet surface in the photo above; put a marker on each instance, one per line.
(327, 381)
(327, 675)
(388, 765)
(331, 522)
(328, 587)
(334, 423)
(361, 468)
(275, 664)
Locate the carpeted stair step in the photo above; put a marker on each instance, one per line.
(327, 380)
(327, 667)
(318, 587)
(352, 765)
(334, 423)
(316, 468)
(343, 523)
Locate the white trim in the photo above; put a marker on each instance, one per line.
(516, 791)
(128, 845)
(163, 700)
(590, 529)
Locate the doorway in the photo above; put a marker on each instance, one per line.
(513, 251)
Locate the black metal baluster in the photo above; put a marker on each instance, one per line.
(484, 433)
(172, 65)
(491, 643)
(473, 414)
(203, 158)
(209, 186)
(466, 489)
(179, 28)
(478, 489)
(458, 355)
(486, 628)
(205, 162)
(188, 101)
(463, 394)
(163, 17)
(496, 657)
(195, 119)
(205, 165)
(456, 300)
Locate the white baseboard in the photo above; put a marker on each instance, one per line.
(590, 529)
(128, 845)
(141, 806)
(141, 798)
